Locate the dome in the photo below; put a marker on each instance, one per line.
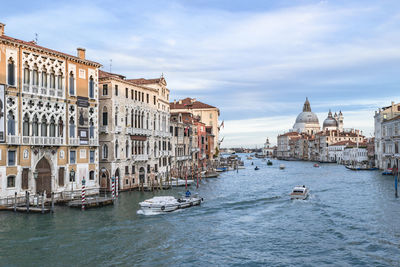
(330, 121)
(307, 117)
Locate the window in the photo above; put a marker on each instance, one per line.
(11, 72)
(71, 128)
(133, 169)
(116, 90)
(126, 92)
(27, 76)
(127, 149)
(52, 127)
(92, 156)
(105, 117)
(116, 150)
(44, 79)
(132, 94)
(126, 170)
(105, 89)
(11, 157)
(148, 98)
(91, 87)
(142, 97)
(154, 100)
(139, 97)
(72, 157)
(91, 175)
(35, 126)
(135, 95)
(71, 84)
(44, 126)
(10, 123)
(105, 152)
(11, 181)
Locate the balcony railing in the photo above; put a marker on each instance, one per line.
(180, 158)
(103, 129)
(128, 130)
(93, 142)
(13, 140)
(118, 129)
(141, 157)
(73, 141)
(35, 89)
(42, 141)
(26, 87)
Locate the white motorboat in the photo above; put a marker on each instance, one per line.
(159, 204)
(299, 192)
(282, 166)
(241, 167)
(189, 201)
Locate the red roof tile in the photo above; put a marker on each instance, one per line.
(188, 103)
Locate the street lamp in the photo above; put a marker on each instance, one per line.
(35, 174)
(72, 178)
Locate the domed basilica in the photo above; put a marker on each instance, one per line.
(307, 121)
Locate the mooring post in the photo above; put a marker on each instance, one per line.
(52, 202)
(113, 188)
(15, 201)
(42, 202)
(27, 201)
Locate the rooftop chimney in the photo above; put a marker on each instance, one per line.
(2, 26)
(81, 52)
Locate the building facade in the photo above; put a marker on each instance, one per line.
(48, 119)
(134, 137)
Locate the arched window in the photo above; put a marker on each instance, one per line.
(71, 128)
(71, 83)
(105, 151)
(116, 116)
(11, 72)
(148, 148)
(35, 76)
(60, 128)
(52, 80)
(44, 126)
(91, 175)
(105, 116)
(127, 149)
(132, 118)
(10, 123)
(60, 86)
(52, 127)
(25, 125)
(27, 76)
(91, 87)
(91, 129)
(136, 124)
(147, 121)
(155, 121)
(116, 152)
(35, 126)
(155, 149)
(126, 117)
(44, 78)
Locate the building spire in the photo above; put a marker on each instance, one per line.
(307, 107)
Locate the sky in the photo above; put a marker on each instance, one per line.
(256, 61)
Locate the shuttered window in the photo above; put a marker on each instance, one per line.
(61, 176)
(24, 184)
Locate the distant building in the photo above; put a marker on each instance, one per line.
(268, 150)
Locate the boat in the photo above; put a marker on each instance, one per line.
(360, 168)
(256, 168)
(176, 182)
(210, 174)
(159, 204)
(388, 171)
(221, 169)
(316, 165)
(240, 167)
(260, 156)
(269, 163)
(189, 201)
(249, 158)
(282, 166)
(299, 192)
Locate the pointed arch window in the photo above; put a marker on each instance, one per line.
(116, 117)
(71, 83)
(27, 76)
(127, 149)
(105, 152)
(71, 128)
(52, 80)
(35, 126)
(11, 72)
(52, 127)
(44, 78)
(91, 129)
(116, 150)
(44, 126)
(35, 77)
(10, 123)
(25, 125)
(60, 128)
(91, 87)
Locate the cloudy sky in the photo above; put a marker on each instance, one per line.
(255, 60)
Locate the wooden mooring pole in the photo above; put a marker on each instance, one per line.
(27, 201)
(43, 202)
(15, 202)
(52, 202)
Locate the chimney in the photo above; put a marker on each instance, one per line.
(2, 26)
(81, 52)
(180, 102)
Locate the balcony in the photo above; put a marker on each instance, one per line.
(42, 141)
(35, 89)
(103, 129)
(93, 142)
(13, 140)
(195, 149)
(26, 87)
(73, 141)
(118, 129)
(140, 157)
(180, 158)
(128, 130)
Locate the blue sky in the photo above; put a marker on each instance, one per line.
(255, 60)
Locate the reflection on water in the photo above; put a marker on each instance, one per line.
(247, 218)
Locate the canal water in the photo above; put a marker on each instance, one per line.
(247, 219)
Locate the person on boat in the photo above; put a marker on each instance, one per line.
(252, 163)
(188, 193)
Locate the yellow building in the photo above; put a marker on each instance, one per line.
(48, 119)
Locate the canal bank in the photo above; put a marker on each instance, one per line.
(247, 218)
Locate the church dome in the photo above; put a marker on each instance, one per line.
(306, 121)
(330, 121)
(307, 117)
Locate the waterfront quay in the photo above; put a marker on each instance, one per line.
(246, 219)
